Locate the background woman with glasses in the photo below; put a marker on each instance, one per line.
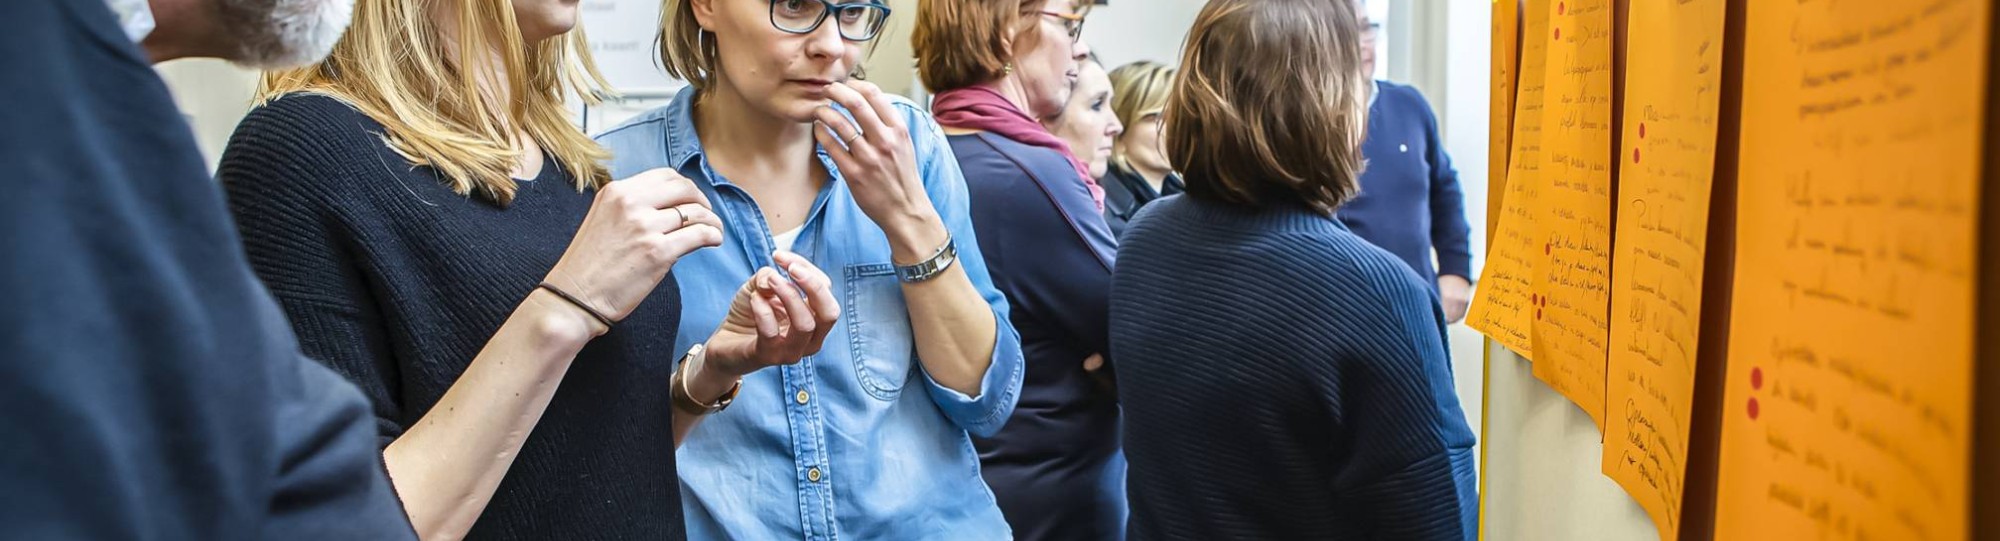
(999, 67)
(868, 437)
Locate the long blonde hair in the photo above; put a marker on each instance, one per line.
(395, 65)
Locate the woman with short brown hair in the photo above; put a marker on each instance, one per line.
(1000, 68)
(1281, 377)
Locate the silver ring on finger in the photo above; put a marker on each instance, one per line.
(683, 217)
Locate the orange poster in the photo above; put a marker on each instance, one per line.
(1572, 298)
(1665, 171)
(1848, 398)
(1506, 37)
(1501, 305)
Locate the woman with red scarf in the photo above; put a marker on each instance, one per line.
(997, 67)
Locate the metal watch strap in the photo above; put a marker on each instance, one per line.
(686, 403)
(932, 267)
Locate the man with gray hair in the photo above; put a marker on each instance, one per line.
(152, 389)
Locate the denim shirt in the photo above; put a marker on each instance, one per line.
(838, 446)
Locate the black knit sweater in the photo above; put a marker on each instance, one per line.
(1282, 379)
(397, 282)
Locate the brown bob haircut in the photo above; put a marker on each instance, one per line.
(962, 43)
(1270, 106)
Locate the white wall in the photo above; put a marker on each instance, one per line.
(213, 95)
(1463, 107)
(1541, 465)
(1127, 31)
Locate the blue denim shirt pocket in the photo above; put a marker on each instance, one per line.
(878, 326)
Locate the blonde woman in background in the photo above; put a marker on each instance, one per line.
(439, 233)
(1138, 173)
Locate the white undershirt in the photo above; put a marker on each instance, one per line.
(784, 240)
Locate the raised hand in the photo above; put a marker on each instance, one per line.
(879, 163)
(635, 231)
(772, 322)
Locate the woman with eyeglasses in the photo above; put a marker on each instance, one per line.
(999, 68)
(870, 436)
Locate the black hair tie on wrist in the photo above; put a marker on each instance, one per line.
(599, 316)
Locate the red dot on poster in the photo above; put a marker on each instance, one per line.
(1642, 130)
(1561, 7)
(1538, 314)
(1753, 409)
(1546, 249)
(1559, 33)
(1635, 154)
(1756, 378)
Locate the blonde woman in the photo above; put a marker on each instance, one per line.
(440, 234)
(1308, 394)
(870, 438)
(1138, 173)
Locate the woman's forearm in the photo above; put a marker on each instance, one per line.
(706, 386)
(952, 324)
(448, 464)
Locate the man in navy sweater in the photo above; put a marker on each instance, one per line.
(1410, 202)
(152, 389)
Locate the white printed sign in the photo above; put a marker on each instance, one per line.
(621, 34)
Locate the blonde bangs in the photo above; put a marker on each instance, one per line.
(394, 66)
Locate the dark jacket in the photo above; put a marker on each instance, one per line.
(1054, 467)
(151, 388)
(1126, 191)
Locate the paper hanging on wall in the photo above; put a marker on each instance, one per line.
(1502, 305)
(1572, 299)
(1848, 396)
(1665, 172)
(1500, 128)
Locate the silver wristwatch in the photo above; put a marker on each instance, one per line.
(931, 267)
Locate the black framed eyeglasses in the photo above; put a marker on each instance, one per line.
(857, 21)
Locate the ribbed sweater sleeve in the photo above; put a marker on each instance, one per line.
(279, 169)
(1399, 471)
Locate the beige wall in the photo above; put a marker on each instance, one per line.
(1541, 472)
(213, 95)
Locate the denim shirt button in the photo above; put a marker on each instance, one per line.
(813, 474)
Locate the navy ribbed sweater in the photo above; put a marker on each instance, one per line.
(1282, 379)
